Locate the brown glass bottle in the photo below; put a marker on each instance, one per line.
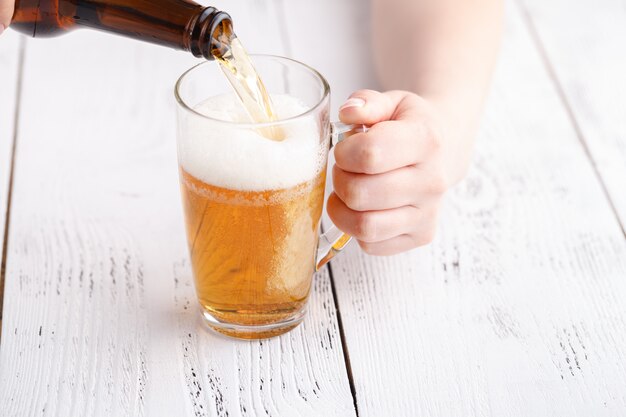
(179, 24)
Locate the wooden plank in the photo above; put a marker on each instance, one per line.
(9, 61)
(517, 308)
(584, 43)
(100, 317)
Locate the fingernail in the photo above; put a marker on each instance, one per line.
(352, 102)
(1, 28)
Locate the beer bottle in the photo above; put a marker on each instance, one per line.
(179, 24)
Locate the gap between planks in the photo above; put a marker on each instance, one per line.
(342, 334)
(7, 223)
(545, 59)
(344, 345)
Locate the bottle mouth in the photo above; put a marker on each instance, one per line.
(210, 33)
(221, 34)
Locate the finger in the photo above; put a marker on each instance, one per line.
(424, 235)
(372, 226)
(6, 13)
(387, 146)
(362, 192)
(369, 107)
(402, 187)
(389, 247)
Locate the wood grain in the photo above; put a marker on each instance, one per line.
(584, 45)
(517, 308)
(10, 45)
(100, 316)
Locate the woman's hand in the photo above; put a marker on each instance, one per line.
(6, 13)
(389, 181)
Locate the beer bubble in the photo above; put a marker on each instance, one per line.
(241, 158)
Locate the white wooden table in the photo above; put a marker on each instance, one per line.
(517, 309)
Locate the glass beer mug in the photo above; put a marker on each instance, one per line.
(253, 203)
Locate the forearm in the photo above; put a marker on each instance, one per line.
(443, 50)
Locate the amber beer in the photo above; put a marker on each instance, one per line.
(252, 251)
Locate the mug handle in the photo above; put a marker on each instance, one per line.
(334, 240)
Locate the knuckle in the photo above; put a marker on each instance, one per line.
(431, 134)
(350, 190)
(368, 247)
(435, 138)
(349, 194)
(353, 195)
(340, 183)
(436, 183)
(370, 158)
(425, 238)
(332, 207)
(365, 227)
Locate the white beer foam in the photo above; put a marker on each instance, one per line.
(232, 157)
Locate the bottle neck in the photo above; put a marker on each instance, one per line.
(179, 24)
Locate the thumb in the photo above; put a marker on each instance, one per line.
(6, 13)
(369, 107)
